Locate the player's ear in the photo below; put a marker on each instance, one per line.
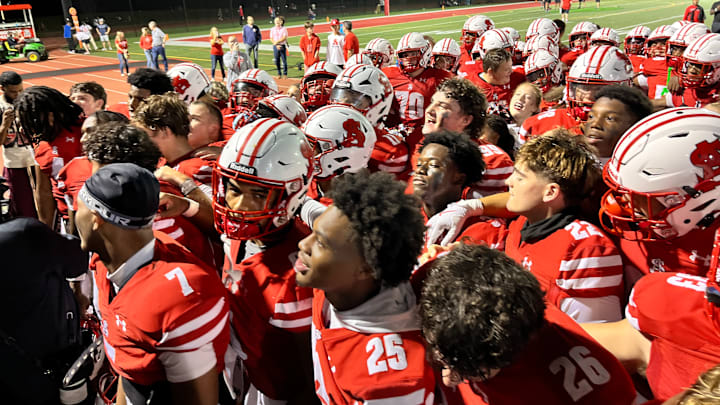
(551, 192)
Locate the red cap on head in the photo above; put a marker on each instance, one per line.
(334, 21)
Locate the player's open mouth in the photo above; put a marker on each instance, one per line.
(519, 105)
(429, 119)
(300, 267)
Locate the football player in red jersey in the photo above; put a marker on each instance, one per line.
(579, 39)
(699, 74)
(367, 345)
(171, 351)
(205, 124)
(247, 90)
(144, 82)
(487, 325)
(51, 121)
(259, 182)
(635, 45)
(316, 84)
(413, 82)
(472, 29)
(459, 106)
(654, 69)
(498, 80)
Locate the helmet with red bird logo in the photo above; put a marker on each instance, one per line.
(316, 84)
(543, 26)
(635, 40)
(605, 36)
(343, 138)
(599, 66)
(680, 40)
(448, 49)
(189, 81)
(493, 39)
(380, 51)
(544, 70)
(413, 52)
(366, 89)
(536, 43)
(473, 28)
(664, 176)
(268, 153)
(286, 108)
(582, 30)
(250, 86)
(701, 62)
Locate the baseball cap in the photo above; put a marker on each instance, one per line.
(334, 21)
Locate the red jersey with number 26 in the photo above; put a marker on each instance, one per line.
(671, 309)
(561, 365)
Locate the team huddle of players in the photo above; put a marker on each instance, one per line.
(425, 229)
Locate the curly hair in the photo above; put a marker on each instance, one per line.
(92, 88)
(164, 111)
(638, 104)
(462, 150)
(34, 106)
(115, 142)
(472, 102)
(565, 159)
(150, 79)
(388, 225)
(479, 309)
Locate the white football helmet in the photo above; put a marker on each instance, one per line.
(635, 40)
(543, 69)
(679, 24)
(663, 176)
(580, 35)
(541, 42)
(446, 55)
(599, 66)
(605, 36)
(269, 153)
(517, 52)
(655, 43)
(473, 28)
(316, 84)
(413, 42)
(380, 51)
(189, 81)
(493, 39)
(358, 59)
(250, 86)
(701, 62)
(543, 26)
(285, 108)
(344, 140)
(679, 41)
(365, 88)
(512, 33)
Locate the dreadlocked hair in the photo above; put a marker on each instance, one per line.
(388, 225)
(34, 107)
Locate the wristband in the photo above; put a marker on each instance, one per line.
(187, 187)
(192, 209)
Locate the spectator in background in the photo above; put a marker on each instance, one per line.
(694, 12)
(236, 61)
(716, 20)
(103, 31)
(336, 44)
(90, 96)
(146, 45)
(310, 45)
(252, 38)
(278, 36)
(158, 44)
(83, 36)
(122, 52)
(352, 45)
(68, 35)
(17, 152)
(90, 30)
(216, 52)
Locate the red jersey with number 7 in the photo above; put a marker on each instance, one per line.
(562, 364)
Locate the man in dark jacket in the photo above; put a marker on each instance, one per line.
(252, 38)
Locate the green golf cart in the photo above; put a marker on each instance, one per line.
(17, 35)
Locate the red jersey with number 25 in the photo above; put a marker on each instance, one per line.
(561, 365)
(377, 365)
(671, 309)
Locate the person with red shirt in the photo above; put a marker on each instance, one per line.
(52, 122)
(146, 45)
(310, 45)
(366, 340)
(565, 10)
(694, 12)
(216, 52)
(121, 45)
(351, 46)
(697, 75)
(498, 80)
(164, 313)
(488, 326)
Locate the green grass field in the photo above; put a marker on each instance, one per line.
(622, 15)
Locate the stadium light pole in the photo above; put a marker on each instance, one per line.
(187, 24)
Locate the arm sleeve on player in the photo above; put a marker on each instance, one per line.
(593, 310)
(187, 366)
